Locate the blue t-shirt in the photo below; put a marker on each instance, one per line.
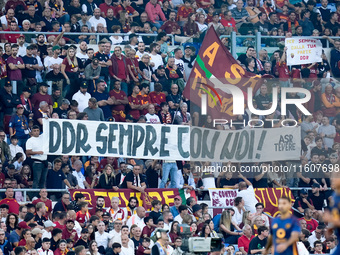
(281, 231)
(26, 73)
(55, 179)
(14, 237)
(19, 124)
(107, 108)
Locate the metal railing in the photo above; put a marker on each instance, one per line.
(98, 35)
(24, 191)
(258, 41)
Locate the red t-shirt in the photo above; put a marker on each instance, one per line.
(244, 242)
(136, 101)
(103, 163)
(58, 225)
(121, 69)
(184, 12)
(37, 98)
(12, 38)
(104, 7)
(141, 249)
(69, 67)
(133, 64)
(147, 231)
(199, 3)
(170, 26)
(48, 204)
(118, 95)
(209, 18)
(313, 71)
(157, 99)
(128, 9)
(283, 71)
(2, 179)
(66, 234)
(14, 75)
(311, 224)
(12, 203)
(228, 23)
(280, 3)
(82, 217)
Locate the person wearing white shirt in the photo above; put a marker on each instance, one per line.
(15, 148)
(10, 15)
(183, 210)
(117, 213)
(317, 234)
(156, 59)
(137, 218)
(45, 248)
(102, 238)
(22, 46)
(151, 116)
(141, 49)
(55, 59)
(239, 210)
(82, 96)
(248, 194)
(126, 249)
(118, 238)
(82, 183)
(96, 19)
(47, 231)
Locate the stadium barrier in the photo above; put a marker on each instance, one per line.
(98, 35)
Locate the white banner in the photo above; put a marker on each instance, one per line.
(112, 139)
(247, 145)
(303, 50)
(222, 197)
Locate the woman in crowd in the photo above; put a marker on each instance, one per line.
(211, 225)
(18, 160)
(250, 65)
(26, 176)
(107, 179)
(145, 68)
(125, 21)
(116, 39)
(12, 221)
(92, 231)
(93, 248)
(91, 176)
(194, 228)
(26, 233)
(191, 28)
(228, 227)
(173, 231)
(62, 248)
(206, 231)
(70, 70)
(165, 207)
(183, 117)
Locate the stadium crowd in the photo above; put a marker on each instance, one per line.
(136, 78)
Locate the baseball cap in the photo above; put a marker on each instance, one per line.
(190, 47)
(316, 185)
(303, 192)
(84, 230)
(49, 223)
(20, 106)
(178, 197)
(23, 225)
(21, 35)
(161, 67)
(8, 84)
(26, 89)
(106, 214)
(36, 231)
(56, 47)
(84, 84)
(196, 208)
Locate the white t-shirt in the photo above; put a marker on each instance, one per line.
(94, 22)
(80, 178)
(3, 20)
(102, 239)
(82, 99)
(127, 251)
(22, 51)
(152, 118)
(180, 64)
(116, 41)
(249, 198)
(157, 60)
(35, 144)
(83, 57)
(237, 218)
(51, 61)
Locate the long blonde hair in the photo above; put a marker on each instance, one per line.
(245, 219)
(226, 219)
(70, 62)
(105, 174)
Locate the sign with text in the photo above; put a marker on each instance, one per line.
(166, 196)
(269, 197)
(247, 145)
(303, 50)
(112, 139)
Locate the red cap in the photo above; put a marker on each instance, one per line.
(23, 225)
(21, 35)
(20, 106)
(178, 197)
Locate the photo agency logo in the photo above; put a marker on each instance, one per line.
(245, 101)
